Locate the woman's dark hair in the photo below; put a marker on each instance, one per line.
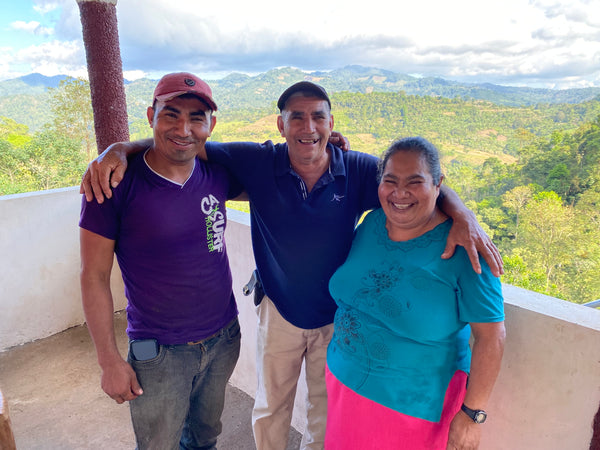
(419, 145)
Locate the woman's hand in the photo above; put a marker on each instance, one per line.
(464, 433)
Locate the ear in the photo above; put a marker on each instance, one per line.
(150, 115)
(441, 180)
(213, 122)
(331, 122)
(280, 125)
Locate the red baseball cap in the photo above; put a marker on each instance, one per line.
(175, 84)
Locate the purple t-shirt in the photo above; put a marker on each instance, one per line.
(169, 242)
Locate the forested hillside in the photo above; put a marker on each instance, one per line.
(531, 173)
(247, 93)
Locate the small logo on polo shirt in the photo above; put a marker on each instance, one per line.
(337, 198)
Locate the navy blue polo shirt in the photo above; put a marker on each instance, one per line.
(300, 238)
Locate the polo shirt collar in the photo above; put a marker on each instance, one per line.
(336, 163)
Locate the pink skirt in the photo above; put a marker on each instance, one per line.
(357, 423)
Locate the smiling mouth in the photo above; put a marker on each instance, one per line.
(181, 143)
(308, 141)
(401, 206)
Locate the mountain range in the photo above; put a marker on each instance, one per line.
(22, 99)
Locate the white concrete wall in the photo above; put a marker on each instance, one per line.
(39, 266)
(547, 392)
(548, 389)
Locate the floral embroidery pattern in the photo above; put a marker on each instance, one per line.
(376, 291)
(347, 333)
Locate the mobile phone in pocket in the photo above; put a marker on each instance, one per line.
(143, 349)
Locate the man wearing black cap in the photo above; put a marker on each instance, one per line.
(181, 314)
(306, 197)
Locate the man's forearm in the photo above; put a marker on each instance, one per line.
(137, 146)
(451, 204)
(98, 309)
(97, 254)
(118, 378)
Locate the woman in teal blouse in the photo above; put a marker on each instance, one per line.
(399, 358)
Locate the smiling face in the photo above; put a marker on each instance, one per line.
(181, 127)
(306, 124)
(408, 195)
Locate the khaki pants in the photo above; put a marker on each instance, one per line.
(281, 349)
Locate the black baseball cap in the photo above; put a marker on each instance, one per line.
(305, 87)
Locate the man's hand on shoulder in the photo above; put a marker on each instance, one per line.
(339, 140)
(467, 233)
(99, 177)
(107, 170)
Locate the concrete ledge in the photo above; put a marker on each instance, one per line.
(548, 391)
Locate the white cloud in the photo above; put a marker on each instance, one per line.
(540, 42)
(54, 58)
(44, 7)
(32, 27)
(464, 39)
(133, 75)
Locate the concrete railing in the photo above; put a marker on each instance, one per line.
(546, 395)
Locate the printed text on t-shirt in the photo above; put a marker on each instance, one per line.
(215, 223)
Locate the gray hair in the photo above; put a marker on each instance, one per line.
(419, 145)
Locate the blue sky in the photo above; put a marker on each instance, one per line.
(538, 43)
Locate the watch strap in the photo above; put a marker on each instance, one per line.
(476, 415)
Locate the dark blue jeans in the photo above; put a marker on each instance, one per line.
(184, 392)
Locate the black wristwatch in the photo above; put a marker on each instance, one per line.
(476, 415)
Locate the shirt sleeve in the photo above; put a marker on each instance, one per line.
(98, 218)
(480, 296)
(241, 159)
(233, 155)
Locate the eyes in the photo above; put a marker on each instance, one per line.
(320, 117)
(173, 116)
(198, 118)
(394, 182)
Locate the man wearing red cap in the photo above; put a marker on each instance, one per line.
(165, 223)
(307, 196)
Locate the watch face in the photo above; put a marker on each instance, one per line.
(480, 417)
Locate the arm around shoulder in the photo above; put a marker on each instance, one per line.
(467, 233)
(107, 170)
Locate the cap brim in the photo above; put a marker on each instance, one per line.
(172, 95)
